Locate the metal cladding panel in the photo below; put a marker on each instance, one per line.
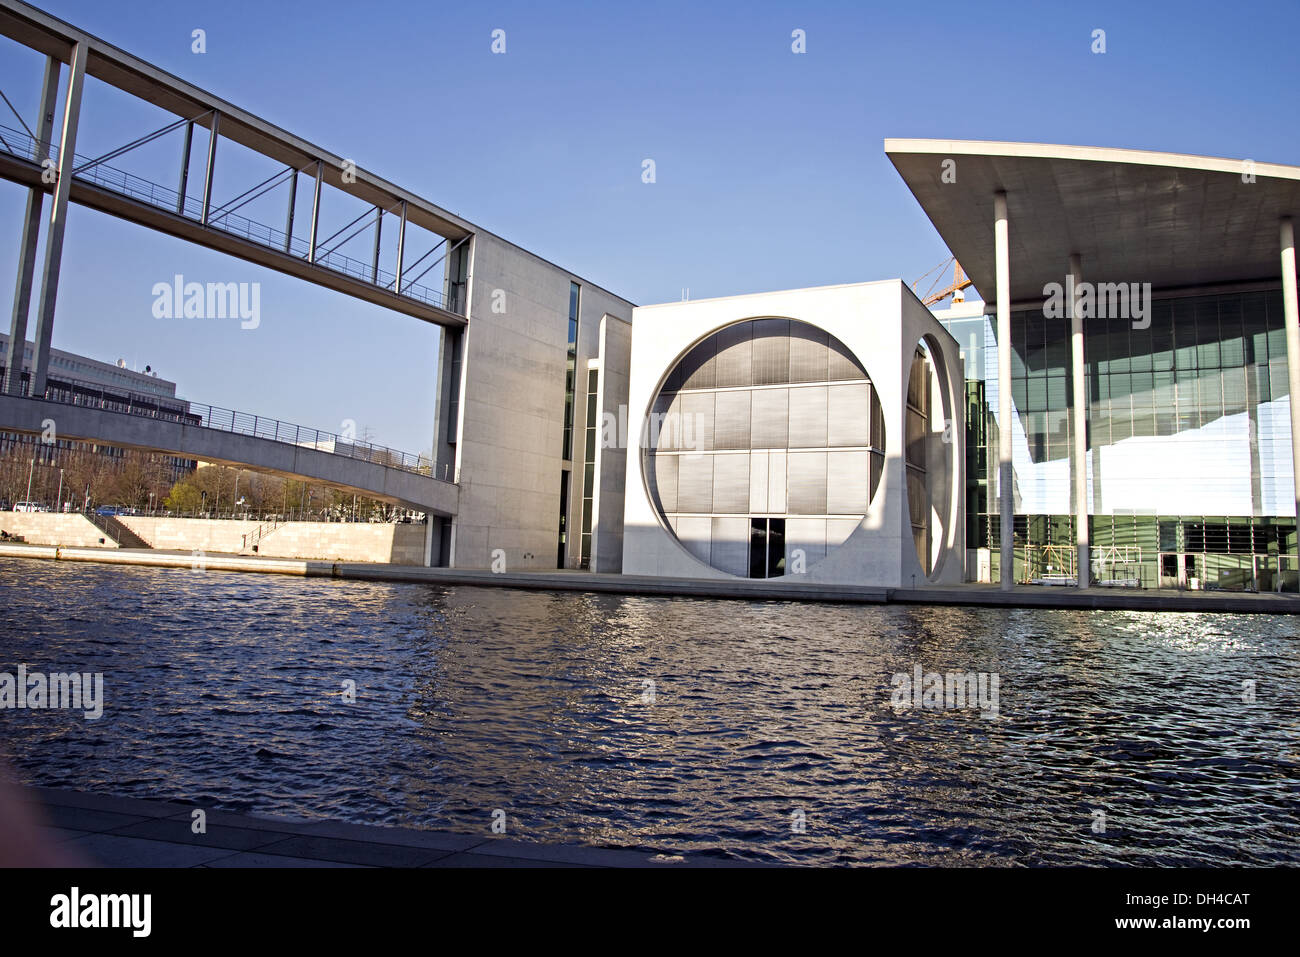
(809, 356)
(731, 483)
(698, 367)
(807, 472)
(735, 356)
(771, 351)
(776, 481)
(695, 484)
(808, 534)
(808, 417)
(842, 363)
(758, 490)
(696, 533)
(696, 422)
(729, 548)
(731, 421)
(661, 473)
(848, 475)
(770, 419)
(848, 415)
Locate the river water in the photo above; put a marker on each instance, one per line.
(762, 731)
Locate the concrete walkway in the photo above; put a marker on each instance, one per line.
(108, 831)
(1021, 596)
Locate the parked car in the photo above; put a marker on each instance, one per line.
(30, 507)
(109, 510)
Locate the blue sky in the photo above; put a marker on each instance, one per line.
(770, 168)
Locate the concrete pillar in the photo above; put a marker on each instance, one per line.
(1006, 500)
(1079, 424)
(214, 132)
(31, 233)
(1291, 315)
(58, 219)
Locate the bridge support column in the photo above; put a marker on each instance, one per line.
(58, 219)
(31, 233)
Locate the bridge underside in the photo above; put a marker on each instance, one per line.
(397, 486)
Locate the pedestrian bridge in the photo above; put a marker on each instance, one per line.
(84, 413)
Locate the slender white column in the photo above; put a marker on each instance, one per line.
(1291, 315)
(1079, 424)
(17, 348)
(58, 219)
(1006, 500)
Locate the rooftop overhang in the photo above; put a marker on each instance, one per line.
(1133, 216)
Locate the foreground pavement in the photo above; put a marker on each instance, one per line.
(972, 594)
(109, 831)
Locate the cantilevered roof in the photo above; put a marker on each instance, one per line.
(1133, 215)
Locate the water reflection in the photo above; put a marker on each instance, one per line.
(227, 690)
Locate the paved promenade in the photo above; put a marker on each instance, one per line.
(108, 831)
(1021, 596)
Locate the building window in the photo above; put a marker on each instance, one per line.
(570, 383)
(571, 371)
(589, 466)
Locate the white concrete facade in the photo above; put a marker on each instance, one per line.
(881, 324)
(510, 408)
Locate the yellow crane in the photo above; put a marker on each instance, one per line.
(959, 282)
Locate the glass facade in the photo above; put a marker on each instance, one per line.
(589, 464)
(1189, 446)
(765, 447)
(570, 384)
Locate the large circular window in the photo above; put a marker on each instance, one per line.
(764, 447)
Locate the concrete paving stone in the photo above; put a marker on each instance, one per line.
(58, 835)
(88, 819)
(180, 831)
(142, 807)
(112, 850)
(353, 852)
(566, 854)
(403, 836)
(219, 818)
(257, 859)
(471, 859)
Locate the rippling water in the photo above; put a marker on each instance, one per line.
(224, 689)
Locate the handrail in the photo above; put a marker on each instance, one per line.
(20, 144)
(107, 398)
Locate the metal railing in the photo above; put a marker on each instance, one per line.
(122, 401)
(21, 144)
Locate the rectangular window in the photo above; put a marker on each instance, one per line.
(589, 469)
(571, 370)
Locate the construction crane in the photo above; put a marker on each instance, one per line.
(959, 282)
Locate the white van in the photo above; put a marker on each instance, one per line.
(29, 507)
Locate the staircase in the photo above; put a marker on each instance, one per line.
(254, 538)
(114, 528)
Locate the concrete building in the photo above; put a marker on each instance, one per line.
(812, 435)
(1139, 428)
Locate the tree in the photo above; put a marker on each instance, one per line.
(184, 497)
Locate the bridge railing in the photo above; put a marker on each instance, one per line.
(110, 399)
(19, 143)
